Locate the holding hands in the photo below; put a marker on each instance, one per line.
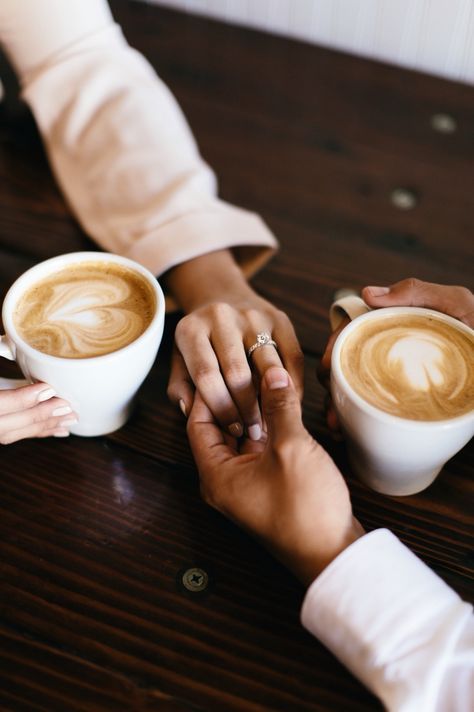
(224, 318)
(285, 489)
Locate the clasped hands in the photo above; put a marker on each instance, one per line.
(285, 489)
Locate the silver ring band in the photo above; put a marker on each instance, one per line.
(263, 339)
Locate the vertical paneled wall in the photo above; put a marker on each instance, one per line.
(436, 36)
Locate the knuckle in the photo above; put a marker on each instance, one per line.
(220, 311)
(204, 374)
(184, 327)
(465, 295)
(282, 316)
(40, 415)
(237, 376)
(253, 316)
(283, 402)
(414, 284)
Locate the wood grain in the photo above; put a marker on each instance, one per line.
(96, 533)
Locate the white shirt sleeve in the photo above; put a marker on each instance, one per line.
(120, 146)
(396, 625)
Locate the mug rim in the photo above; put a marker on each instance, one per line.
(337, 373)
(46, 267)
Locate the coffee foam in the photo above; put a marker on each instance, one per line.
(85, 310)
(415, 367)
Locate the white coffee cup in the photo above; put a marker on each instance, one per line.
(100, 389)
(393, 455)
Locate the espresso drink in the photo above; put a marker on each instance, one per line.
(412, 366)
(87, 309)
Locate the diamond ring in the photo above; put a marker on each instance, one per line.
(263, 339)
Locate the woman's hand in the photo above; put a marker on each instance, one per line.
(211, 343)
(33, 412)
(285, 489)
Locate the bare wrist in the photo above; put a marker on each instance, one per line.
(211, 277)
(308, 564)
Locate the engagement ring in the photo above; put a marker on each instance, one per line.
(263, 339)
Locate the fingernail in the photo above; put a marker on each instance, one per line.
(378, 291)
(276, 378)
(68, 421)
(45, 395)
(255, 432)
(182, 405)
(236, 430)
(61, 434)
(62, 410)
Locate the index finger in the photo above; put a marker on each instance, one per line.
(16, 400)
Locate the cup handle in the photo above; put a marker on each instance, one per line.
(7, 351)
(350, 306)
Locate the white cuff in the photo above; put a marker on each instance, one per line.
(390, 619)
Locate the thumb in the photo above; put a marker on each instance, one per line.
(280, 405)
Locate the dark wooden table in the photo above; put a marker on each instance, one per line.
(94, 533)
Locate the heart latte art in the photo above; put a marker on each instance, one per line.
(85, 310)
(415, 367)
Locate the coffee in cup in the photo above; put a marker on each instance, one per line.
(402, 382)
(412, 366)
(88, 324)
(85, 310)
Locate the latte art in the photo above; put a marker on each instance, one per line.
(85, 310)
(415, 367)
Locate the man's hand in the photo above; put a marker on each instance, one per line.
(454, 301)
(457, 302)
(285, 489)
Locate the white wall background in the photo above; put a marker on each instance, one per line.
(435, 36)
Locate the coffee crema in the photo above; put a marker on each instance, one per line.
(84, 310)
(412, 366)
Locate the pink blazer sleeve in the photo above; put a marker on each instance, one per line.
(118, 142)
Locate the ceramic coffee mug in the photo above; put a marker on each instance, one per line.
(89, 324)
(402, 386)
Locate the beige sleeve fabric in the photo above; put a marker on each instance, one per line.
(118, 142)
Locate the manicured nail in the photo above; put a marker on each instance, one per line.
(68, 421)
(378, 291)
(62, 410)
(255, 432)
(276, 378)
(182, 405)
(236, 430)
(61, 434)
(45, 395)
